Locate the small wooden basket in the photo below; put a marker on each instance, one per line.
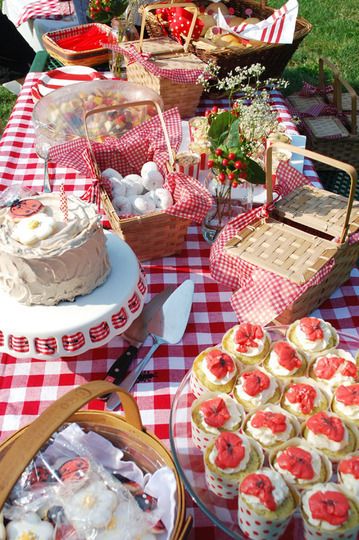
(157, 234)
(296, 241)
(92, 57)
(168, 54)
(125, 432)
(274, 57)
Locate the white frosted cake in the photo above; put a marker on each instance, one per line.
(44, 257)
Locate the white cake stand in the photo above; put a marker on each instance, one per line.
(71, 328)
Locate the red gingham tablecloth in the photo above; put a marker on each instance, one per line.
(45, 9)
(28, 386)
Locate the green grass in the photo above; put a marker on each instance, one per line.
(334, 35)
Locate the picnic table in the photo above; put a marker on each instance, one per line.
(28, 386)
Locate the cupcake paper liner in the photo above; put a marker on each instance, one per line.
(223, 487)
(196, 386)
(258, 526)
(297, 441)
(190, 169)
(201, 438)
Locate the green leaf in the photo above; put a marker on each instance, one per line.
(219, 125)
(233, 135)
(256, 174)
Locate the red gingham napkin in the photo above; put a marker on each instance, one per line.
(184, 76)
(260, 296)
(45, 9)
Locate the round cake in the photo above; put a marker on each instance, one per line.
(52, 249)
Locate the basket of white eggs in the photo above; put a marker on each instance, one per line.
(150, 203)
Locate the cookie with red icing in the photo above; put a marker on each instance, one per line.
(266, 493)
(348, 474)
(213, 370)
(300, 464)
(213, 413)
(346, 402)
(247, 342)
(304, 398)
(335, 368)
(255, 388)
(285, 361)
(271, 426)
(312, 336)
(328, 433)
(326, 507)
(228, 459)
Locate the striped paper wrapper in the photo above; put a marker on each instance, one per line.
(196, 386)
(256, 525)
(188, 163)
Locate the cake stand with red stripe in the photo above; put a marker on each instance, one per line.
(71, 328)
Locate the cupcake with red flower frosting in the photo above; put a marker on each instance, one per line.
(248, 343)
(328, 512)
(285, 361)
(304, 398)
(346, 402)
(300, 464)
(335, 368)
(255, 388)
(330, 434)
(312, 336)
(227, 460)
(348, 475)
(271, 426)
(265, 504)
(211, 414)
(213, 370)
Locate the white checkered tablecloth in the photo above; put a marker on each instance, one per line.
(28, 386)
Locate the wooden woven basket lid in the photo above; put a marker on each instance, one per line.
(302, 103)
(157, 46)
(326, 127)
(281, 249)
(179, 61)
(318, 209)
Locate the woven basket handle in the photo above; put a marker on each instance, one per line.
(335, 73)
(171, 158)
(189, 6)
(354, 101)
(349, 169)
(28, 443)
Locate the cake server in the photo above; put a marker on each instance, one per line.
(136, 334)
(167, 326)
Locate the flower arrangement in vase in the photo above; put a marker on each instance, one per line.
(237, 138)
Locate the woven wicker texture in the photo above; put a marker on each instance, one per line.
(291, 253)
(273, 57)
(156, 235)
(182, 95)
(92, 57)
(326, 126)
(337, 182)
(160, 46)
(302, 104)
(318, 209)
(346, 100)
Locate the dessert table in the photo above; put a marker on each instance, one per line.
(28, 386)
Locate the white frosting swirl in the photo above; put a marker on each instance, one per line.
(280, 490)
(276, 368)
(264, 435)
(211, 376)
(305, 504)
(350, 411)
(242, 465)
(316, 465)
(233, 420)
(251, 351)
(321, 441)
(338, 377)
(350, 483)
(301, 339)
(261, 397)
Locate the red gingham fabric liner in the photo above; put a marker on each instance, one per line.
(29, 386)
(260, 296)
(183, 76)
(76, 30)
(45, 9)
(311, 90)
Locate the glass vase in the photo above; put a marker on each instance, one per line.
(122, 30)
(228, 203)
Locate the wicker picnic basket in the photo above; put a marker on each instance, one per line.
(92, 57)
(157, 234)
(334, 134)
(125, 432)
(167, 55)
(296, 240)
(273, 57)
